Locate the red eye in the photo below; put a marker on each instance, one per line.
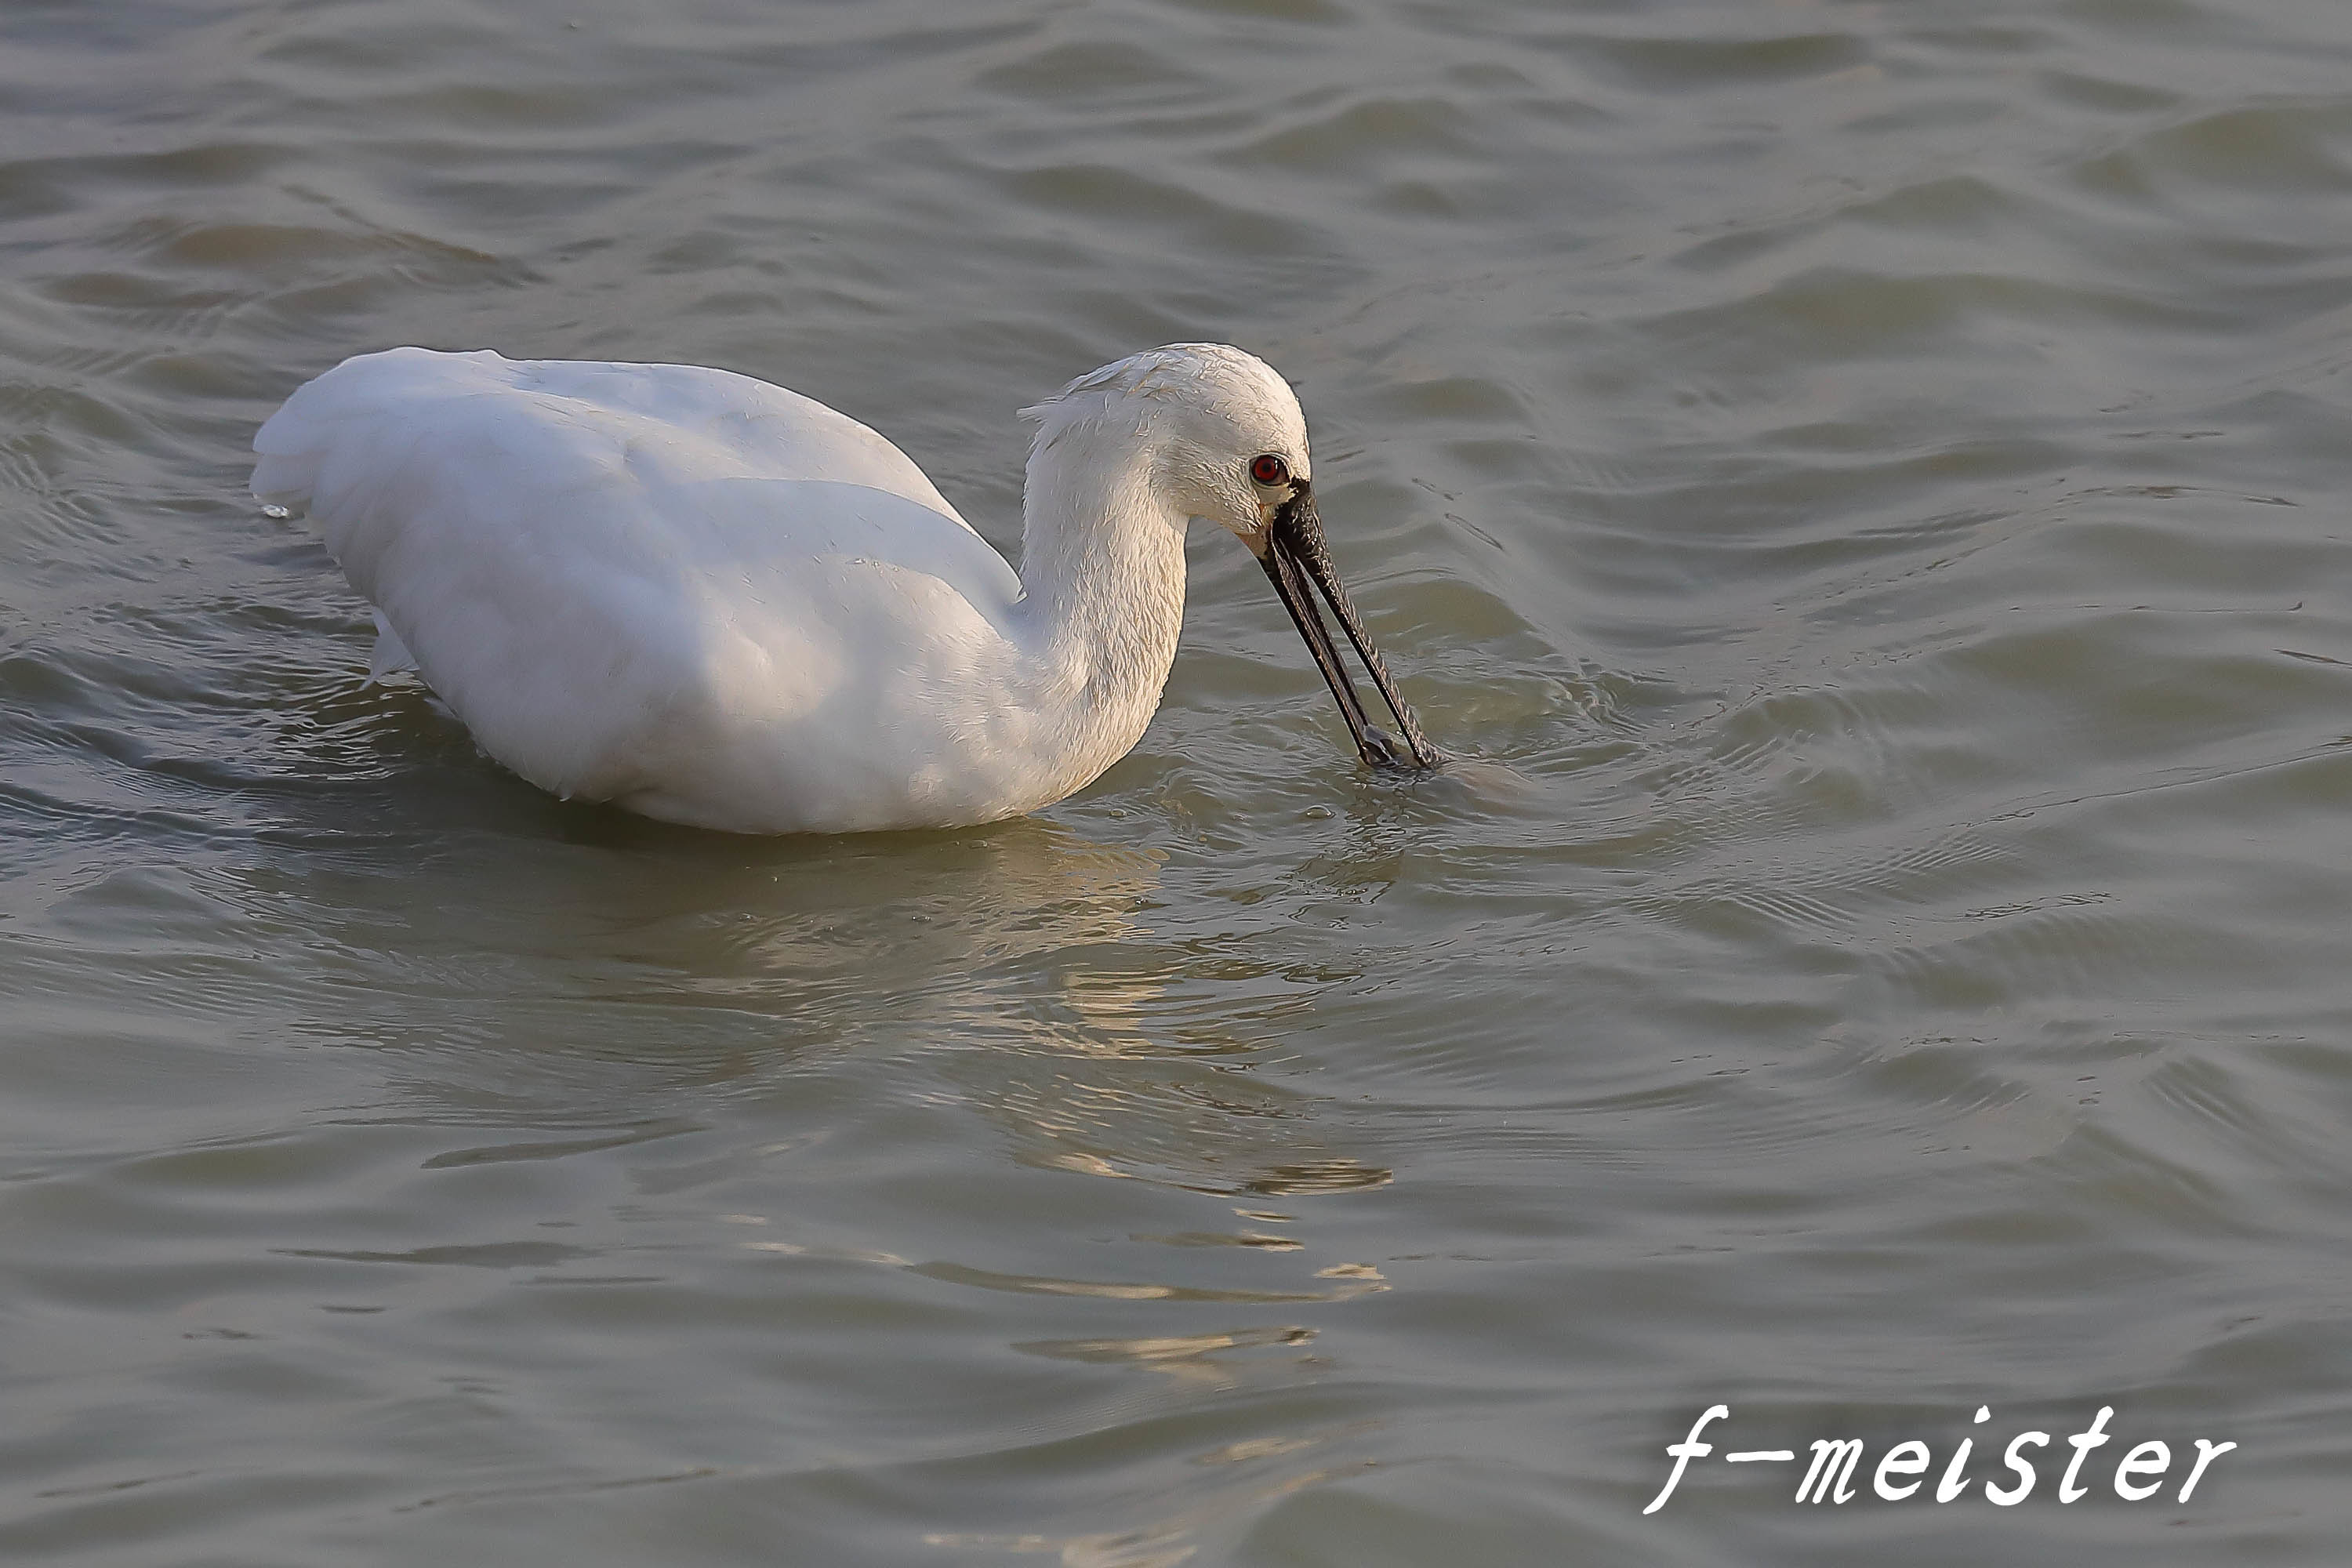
(1270, 470)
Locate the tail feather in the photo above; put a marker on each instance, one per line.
(293, 445)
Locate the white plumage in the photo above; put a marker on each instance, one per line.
(717, 602)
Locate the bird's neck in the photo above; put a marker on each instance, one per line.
(1102, 574)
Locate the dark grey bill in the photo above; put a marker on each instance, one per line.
(1295, 555)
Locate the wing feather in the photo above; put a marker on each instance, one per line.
(597, 565)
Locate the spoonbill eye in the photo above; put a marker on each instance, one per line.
(1270, 470)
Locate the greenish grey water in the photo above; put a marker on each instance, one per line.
(1872, 474)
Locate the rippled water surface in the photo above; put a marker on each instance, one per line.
(1869, 478)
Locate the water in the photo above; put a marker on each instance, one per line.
(1868, 478)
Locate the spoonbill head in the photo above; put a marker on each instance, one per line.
(711, 600)
(1229, 445)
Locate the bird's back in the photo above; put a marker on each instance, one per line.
(729, 422)
(700, 594)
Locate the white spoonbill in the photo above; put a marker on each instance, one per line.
(713, 601)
